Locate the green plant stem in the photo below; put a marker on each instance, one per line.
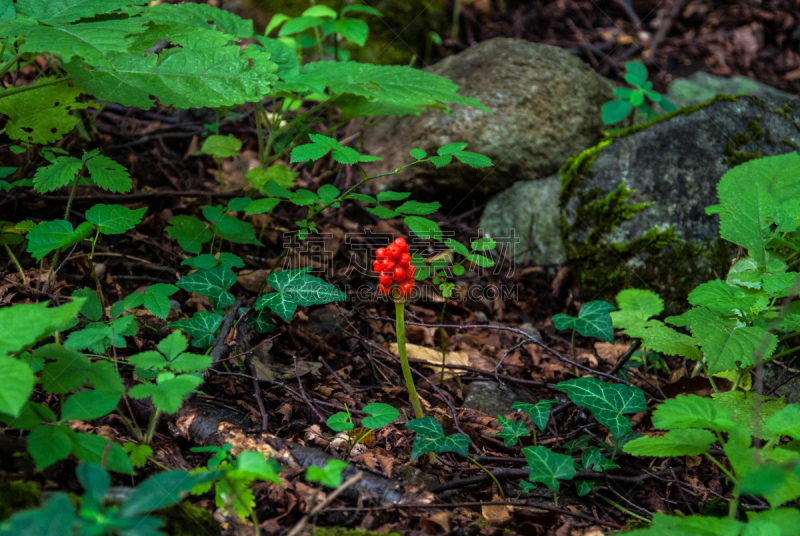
(555, 498)
(722, 467)
(259, 112)
(787, 352)
(16, 263)
(94, 273)
(485, 470)
(614, 452)
(7, 67)
(533, 429)
(66, 217)
(622, 508)
(254, 519)
(441, 336)
(733, 507)
(456, 15)
(151, 426)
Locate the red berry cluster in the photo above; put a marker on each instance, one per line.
(393, 265)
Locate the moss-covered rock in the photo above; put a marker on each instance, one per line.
(186, 519)
(16, 496)
(633, 207)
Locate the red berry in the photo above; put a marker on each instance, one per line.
(399, 273)
(386, 281)
(384, 289)
(377, 266)
(380, 254)
(393, 252)
(401, 244)
(405, 289)
(389, 264)
(411, 272)
(405, 259)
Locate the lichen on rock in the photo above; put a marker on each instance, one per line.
(633, 207)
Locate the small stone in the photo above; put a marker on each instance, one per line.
(528, 328)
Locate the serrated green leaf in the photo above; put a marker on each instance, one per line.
(418, 154)
(88, 40)
(221, 146)
(55, 234)
(423, 227)
(382, 212)
(328, 192)
(420, 209)
(114, 219)
(108, 174)
(692, 411)
(138, 454)
(202, 327)
(539, 412)
(548, 467)
(724, 298)
(451, 148)
(213, 283)
(473, 159)
(190, 233)
(683, 442)
(511, 431)
(16, 385)
(749, 410)
(23, 325)
(97, 450)
(388, 195)
(92, 307)
(593, 321)
(63, 11)
(42, 115)
(156, 299)
(88, 405)
(483, 244)
(169, 390)
(785, 422)
(727, 343)
(480, 260)
(656, 336)
(431, 438)
(60, 173)
(48, 444)
(607, 402)
(340, 422)
(380, 415)
(636, 306)
(278, 173)
(186, 78)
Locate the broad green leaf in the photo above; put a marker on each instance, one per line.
(16, 385)
(251, 465)
(23, 325)
(363, 9)
(583, 487)
(60, 173)
(92, 307)
(431, 438)
(768, 479)
(637, 70)
(785, 422)
(328, 192)
(279, 173)
(42, 115)
(380, 415)
(330, 475)
(190, 233)
(423, 227)
(169, 391)
(55, 234)
(480, 260)
(355, 30)
(383, 212)
(451, 148)
(636, 306)
(539, 412)
(692, 411)
(340, 422)
(222, 146)
(593, 321)
(724, 298)
(750, 410)
(62, 11)
(88, 40)
(200, 16)
(65, 370)
(473, 159)
(548, 467)
(48, 444)
(388, 195)
(615, 111)
(213, 283)
(156, 299)
(607, 402)
(571, 447)
(284, 279)
(278, 302)
(511, 431)
(138, 454)
(97, 449)
(399, 85)
(483, 244)
(311, 290)
(456, 246)
(726, 343)
(683, 442)
(114, 219)
(656, 336)
(186, 78)
(88, 405)
(159, 491)
(418, 154)
(201, 327)
(108, 174)
(260, 206)
(420, 209)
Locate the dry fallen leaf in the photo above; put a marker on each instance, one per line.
(434, 357)
(497, 515)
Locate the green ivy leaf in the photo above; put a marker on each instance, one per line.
(262, 322)
(380, 415)
(548, 467)
(575, 445)
(539, 412)
(340, 422)
(593, 460)
(593, 321)
(201, 327)
(190, 233)
(213, 283)
(683, 442)
(330, 475)
(511, 431)
(607, 402)
(431, 438)
(583, 487)
(114, 219)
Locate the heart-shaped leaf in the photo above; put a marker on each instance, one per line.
(380, 415)
(431, 438)
(213, 283)
(607, 402)
(539, 412)
(593, 320)
(548, 467)
(511, 431)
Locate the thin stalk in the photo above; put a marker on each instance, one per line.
(94, 273)
(7, 67)
(733, 507)
(441, 336)
(787, 352)
(722, 467)
(151, 426)
(485, 470)
(66, 217)
(622, 509)
(456, 15)
(16, 263)
(399, 308)
(259, 133)
(254, 519)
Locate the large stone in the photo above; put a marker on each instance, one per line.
(545, 107)
(633, 207)
(494, 399)
(702, 87)
(526, 218)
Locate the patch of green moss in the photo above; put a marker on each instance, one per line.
(755, 127)
(16, 496)
(790, 143)
(186, 519)
(740, 157)
(341, 531)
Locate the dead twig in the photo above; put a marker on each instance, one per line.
(301, 525)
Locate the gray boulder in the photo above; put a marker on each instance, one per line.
(702, 87)
(545, 107)
(633, 207)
